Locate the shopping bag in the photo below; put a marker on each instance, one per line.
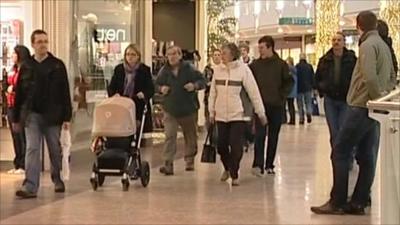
(65, 141)
(315, 108)
(209, 154)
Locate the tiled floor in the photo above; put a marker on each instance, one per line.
(303, 179)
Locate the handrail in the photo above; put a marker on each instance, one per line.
(383, 103)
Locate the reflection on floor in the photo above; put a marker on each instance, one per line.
(303, 179)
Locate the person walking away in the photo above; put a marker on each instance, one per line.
(305, 83)
(275, 83)
(293, 93)
(178, 82)
(232, 87)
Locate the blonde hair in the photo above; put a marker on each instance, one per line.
(290, 61)
(135, 49)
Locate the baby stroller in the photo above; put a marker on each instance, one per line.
(117, 144)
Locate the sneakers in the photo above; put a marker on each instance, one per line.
(256, 172)
(235, 182)
(167, 169)
(19, 171)
(12, 171)
(16, 171)
(327, 209)
(59, 187)
(270, 171)
(23, 193)
(225, 176)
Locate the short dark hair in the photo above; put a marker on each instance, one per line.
(37, 32)
(367, 21)
(268, 40)
(234, 50)
(341, 34)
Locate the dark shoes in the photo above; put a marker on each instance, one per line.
(354, 209)
(309, 119)
(189, 166)
(167, 169)
(59, 187)
(25, 194)
(328, 209)
(270, 171)
(292, 123)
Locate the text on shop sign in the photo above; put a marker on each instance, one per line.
(295, 21)
(112, 33)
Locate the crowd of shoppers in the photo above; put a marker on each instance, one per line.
(238, 90)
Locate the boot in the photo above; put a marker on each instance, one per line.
(167, 169)
(189, 166)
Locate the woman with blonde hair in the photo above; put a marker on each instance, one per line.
(132, 79)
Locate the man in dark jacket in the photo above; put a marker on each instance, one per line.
(305, 83)
(178, 82)
(48, 109)
(275, 83)
(333, 79)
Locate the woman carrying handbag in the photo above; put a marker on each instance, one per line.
(233, 93)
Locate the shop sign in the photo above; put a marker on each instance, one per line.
(112, 33)
(295, 21)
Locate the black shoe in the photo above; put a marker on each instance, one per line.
(309, 119)
(292, 123)
(369, 203)
(354, 209)
(22, 193)
(59, 188)
(301, 122)
(327, 208)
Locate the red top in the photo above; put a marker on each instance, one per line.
(12, 79)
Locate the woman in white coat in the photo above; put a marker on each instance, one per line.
(233, 95)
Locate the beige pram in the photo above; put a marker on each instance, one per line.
(117, 143)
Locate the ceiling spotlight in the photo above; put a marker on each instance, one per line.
(342, 23)
(127, 8)
(280, 30)
(309, 30)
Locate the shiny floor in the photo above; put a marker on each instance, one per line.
(303, 179)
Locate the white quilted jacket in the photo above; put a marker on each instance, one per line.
(225, 101)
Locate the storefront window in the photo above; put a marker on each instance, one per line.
(103, 29)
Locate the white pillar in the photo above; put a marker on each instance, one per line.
(201, 46)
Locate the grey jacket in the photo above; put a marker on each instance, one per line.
(373, 73)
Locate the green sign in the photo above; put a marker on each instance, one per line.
(295, 21)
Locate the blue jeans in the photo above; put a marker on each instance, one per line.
(361, 131)
(334, 111)
(36, 129)
(304, 98)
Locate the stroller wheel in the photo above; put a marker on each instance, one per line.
(145, 173)
(125, 184)
(101, 177)
(94, 183)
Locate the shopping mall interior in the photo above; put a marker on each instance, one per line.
(90, 37)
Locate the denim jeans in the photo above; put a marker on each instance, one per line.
(35, 129)
(335, 111)
(361, 131)
(304, 98)
(274, 116)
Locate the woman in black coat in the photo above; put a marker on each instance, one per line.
(133, 79)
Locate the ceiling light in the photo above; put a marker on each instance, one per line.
(309, 30)
(280, 30)
(342, 23)
(127, 8)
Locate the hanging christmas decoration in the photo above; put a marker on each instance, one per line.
(390, 13)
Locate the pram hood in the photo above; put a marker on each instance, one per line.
(114, 117)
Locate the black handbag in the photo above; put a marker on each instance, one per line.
(209, 154)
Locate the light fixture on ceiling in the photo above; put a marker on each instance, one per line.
(296, 3)
(342, 23)
(257, 7)
(280, 30)
(342, 8)
(280, 5)
(309, 31)
(237, 9)
(127, 8)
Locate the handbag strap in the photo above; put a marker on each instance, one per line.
(209, 134)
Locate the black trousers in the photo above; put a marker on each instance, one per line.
(274, 116)
(230, 145)
(19, 142)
